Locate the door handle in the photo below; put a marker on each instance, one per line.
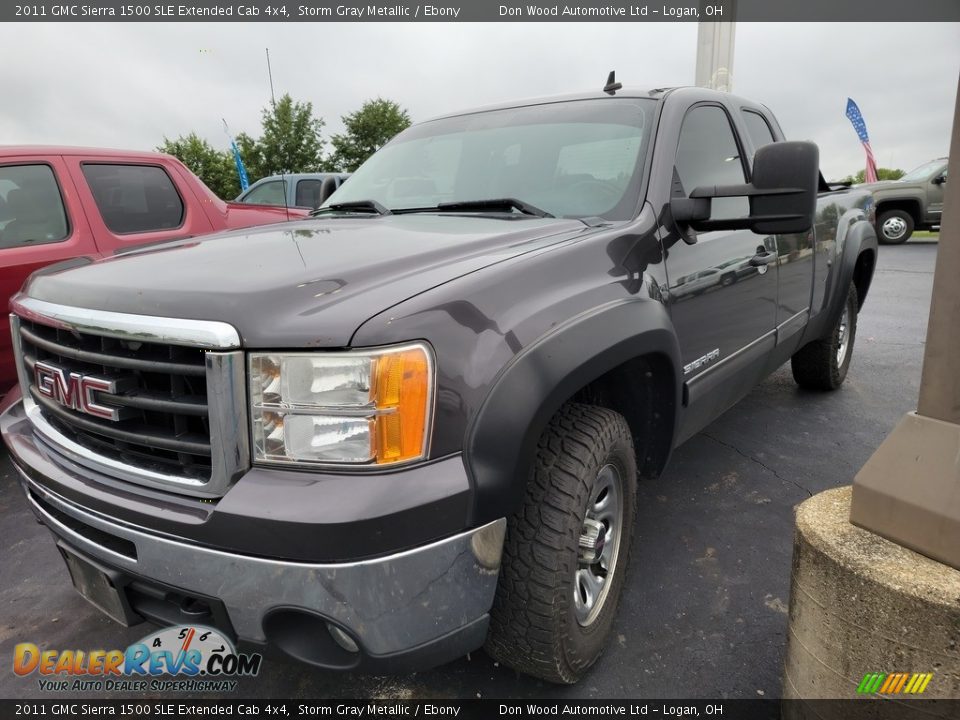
(763, 258)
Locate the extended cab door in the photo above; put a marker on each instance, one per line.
(132, 202)
(723, 287)
(795, 253)
(41, 222)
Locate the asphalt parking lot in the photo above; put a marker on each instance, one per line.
(704, 608)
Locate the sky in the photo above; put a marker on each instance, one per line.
(131, 85)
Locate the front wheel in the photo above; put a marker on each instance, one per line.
(894, 227)
(823, 364)
(566, 549)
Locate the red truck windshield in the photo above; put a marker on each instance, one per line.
(572, 159)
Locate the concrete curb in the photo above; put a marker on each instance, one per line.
(861, 604)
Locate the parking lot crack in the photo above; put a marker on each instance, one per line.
(757, 461)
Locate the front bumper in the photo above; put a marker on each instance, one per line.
(411, 609)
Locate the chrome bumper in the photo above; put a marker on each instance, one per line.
(390, 604)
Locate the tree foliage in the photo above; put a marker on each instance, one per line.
(290, 141)
(882, 174)
(367, 130)
(215, 167)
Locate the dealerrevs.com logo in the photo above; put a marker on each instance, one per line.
(186, 658)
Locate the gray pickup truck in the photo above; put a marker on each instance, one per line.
(914, 202)
(416, 423)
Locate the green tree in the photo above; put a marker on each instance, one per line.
(214, 167)
(290, 143)
(882, 174)
(367, 130)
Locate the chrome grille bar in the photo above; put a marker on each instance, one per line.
(174, 433)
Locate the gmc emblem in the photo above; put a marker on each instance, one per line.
(74, 390)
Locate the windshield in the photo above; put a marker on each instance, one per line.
(924, 171)
(572, 159)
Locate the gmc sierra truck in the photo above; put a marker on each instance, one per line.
(415, 424)
(914, 202)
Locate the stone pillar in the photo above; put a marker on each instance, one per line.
(909, 491)
(860, 604)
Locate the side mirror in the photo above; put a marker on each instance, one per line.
(940, 179)
(783, 194)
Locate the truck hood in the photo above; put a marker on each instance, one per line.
(299, 284)
(897, 185)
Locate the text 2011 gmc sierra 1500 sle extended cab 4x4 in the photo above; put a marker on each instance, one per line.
(413, 425)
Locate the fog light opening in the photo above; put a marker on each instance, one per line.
(311, 638)
(342, 639)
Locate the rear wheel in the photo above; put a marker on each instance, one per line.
(894, 227)
(566, 548)
(823, 364)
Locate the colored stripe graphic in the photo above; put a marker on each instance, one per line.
(894, 683)
(891, 681)
(901, 682)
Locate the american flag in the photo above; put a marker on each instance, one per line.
(856, 119)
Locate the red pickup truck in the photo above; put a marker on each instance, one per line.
(58, 203)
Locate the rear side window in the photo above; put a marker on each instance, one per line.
(308, 193)
(758, 129)
(31, 208)
(134, 198)
(270, 193)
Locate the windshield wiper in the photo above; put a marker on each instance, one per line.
(492, 205)
(360, 206)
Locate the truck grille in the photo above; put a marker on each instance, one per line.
(174, 413)
(163, 422)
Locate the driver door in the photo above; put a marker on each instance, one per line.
(722, 288)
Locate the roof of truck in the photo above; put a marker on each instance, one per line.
(599, 94)
(19, 150)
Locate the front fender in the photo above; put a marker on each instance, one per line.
(859, 241)
(502, 437)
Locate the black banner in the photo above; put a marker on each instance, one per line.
(484, 11)
(854, 709)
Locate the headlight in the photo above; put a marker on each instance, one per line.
(370, 407)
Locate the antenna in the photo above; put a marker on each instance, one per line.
(273, 103)
(612, 85)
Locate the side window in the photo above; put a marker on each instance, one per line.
(308, 193)
(707, 154)
(270, 193)
(134, 198)
(758, 129)
(31, 208)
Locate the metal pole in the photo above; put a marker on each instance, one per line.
(715, 47)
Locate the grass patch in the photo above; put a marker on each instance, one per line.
(926, 234)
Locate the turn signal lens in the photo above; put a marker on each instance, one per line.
(402, 393)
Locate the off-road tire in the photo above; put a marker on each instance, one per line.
(815, 365)
(907, 223)
(533, 626)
